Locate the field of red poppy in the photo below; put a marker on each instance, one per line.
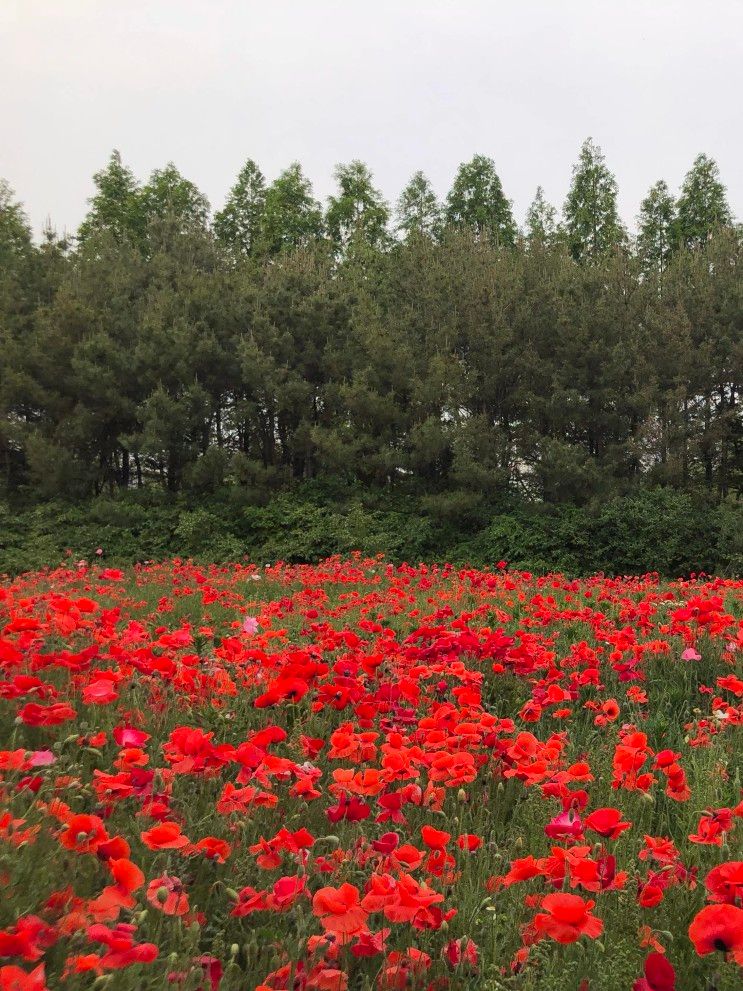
(356, 775)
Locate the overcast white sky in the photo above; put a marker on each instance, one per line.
(401, 84)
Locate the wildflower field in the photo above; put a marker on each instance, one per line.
(357, 775)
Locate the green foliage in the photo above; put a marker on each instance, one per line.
(477, 202)
(661, 530)
(418, 211)
(592, 224)
(702, 205)
(449, 373)
(656, 227)
(15, 233)
(291, 216)
(541, 223)
(168, 195)
(238, 223)
(358, 213)
(118, 206)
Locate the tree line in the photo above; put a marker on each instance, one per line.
(435, 347)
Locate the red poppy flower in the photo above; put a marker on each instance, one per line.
(339, 910)
(126, 874)
(659, 975)
(113, 849)
(607, 823)
(16, 979)
(49, 715)
(82, 963)
(386, 843)
(522, 869)
(609, 713)
(566, 918)
(403, 969)
(213, 849)
(83, 833)
(166, 894)
(718, 927)
(565, 826)
(122, 950)
(311, 745)
(650, 895)
(353, 810)
(461, 952)
(126, 736)
(165, 836)
(660, 849)
(725, 883)
(28, 938)
(370, 944)
(469, 841)
(102, 691)
(435, 839)
(285, 892)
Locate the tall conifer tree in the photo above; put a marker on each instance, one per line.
(237, 224)
(592, 224)
(477, 202)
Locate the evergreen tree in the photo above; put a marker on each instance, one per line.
(418, 210)
(291, 216)
(358, 213)
(183, 353)
(592, 224)
(117, 207)
(237, 224)
(168, 194)
(541, 225)
(476, 202)
(15, 232)
(16, 310)
(440, 365)
(702, 205)
(655, 228)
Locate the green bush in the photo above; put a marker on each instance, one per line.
(662, 530)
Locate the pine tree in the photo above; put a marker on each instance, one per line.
(655, 228)
(16, 304)
(291, 216)
(418, 210)
(15, 232)
(702, 205)
(541, 225)
(169, 195)
(592, 224)
(358, 213)
(476, 201)
(117, 207)
(237, 224)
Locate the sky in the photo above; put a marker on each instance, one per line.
(400, 84)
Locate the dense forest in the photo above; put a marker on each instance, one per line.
(433, 349)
